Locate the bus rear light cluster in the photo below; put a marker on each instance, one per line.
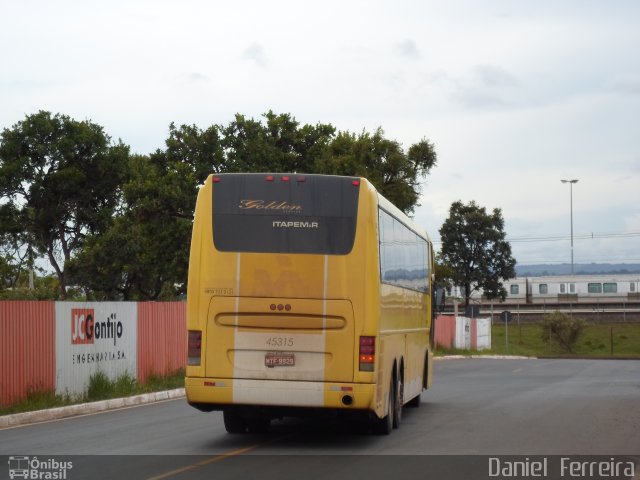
(367, 353)
(194, 347)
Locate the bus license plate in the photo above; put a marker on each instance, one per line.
(279, 359)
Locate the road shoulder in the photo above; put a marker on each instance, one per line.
(88, 408)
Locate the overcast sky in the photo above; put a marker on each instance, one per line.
(515, 95)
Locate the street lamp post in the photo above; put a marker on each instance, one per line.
(571, 182)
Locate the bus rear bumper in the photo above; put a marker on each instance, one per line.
(218, 393)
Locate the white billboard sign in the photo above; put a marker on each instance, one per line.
(94, 337)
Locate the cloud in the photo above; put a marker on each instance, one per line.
(632, 222)
(475, 98)
(255, 53)
(494, 77)
(408, 49)
(197, 77)
(486, 86)
(629, 84)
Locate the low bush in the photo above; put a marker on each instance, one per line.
(563, 329)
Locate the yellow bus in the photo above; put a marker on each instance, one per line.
(307, 294)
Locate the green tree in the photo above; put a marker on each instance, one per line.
(474, 246)
(105, 266)
(279, 145)
(119, 225)
(282, 145)
(160, 201)
(14, 256)
(61, 180)
(444, 273)
(443, 282)
(144, 255)
(394, 173)
(36, 286)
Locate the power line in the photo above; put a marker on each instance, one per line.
(559, 238)
(581, 261)
(592, 236)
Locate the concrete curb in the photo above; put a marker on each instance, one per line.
(490, 357)
(87, 408)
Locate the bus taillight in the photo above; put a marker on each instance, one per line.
(367, 353)
(194, 347)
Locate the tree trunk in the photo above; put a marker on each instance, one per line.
(59, 273)
(467, 294)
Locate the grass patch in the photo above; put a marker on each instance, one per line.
(38, 401)
(100, 387)
(533, 341)
(156, 383)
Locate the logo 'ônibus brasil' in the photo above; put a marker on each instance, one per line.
(85, 329)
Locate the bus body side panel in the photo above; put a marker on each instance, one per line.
(405, 325)
(197, 298)
(363, 279)
(405, 329)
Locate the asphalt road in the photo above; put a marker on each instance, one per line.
(476, 408)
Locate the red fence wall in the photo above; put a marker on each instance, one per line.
(27, 349)
(474, 333)
(463, 332)
(445, 331)
(28, 345)
(162, 338)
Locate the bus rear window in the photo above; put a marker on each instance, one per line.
(260, 213)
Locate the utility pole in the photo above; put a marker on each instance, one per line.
(571, 182)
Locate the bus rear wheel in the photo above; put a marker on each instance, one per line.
(415, 401)
(233, 422)
(397, 404)
(384, 426)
